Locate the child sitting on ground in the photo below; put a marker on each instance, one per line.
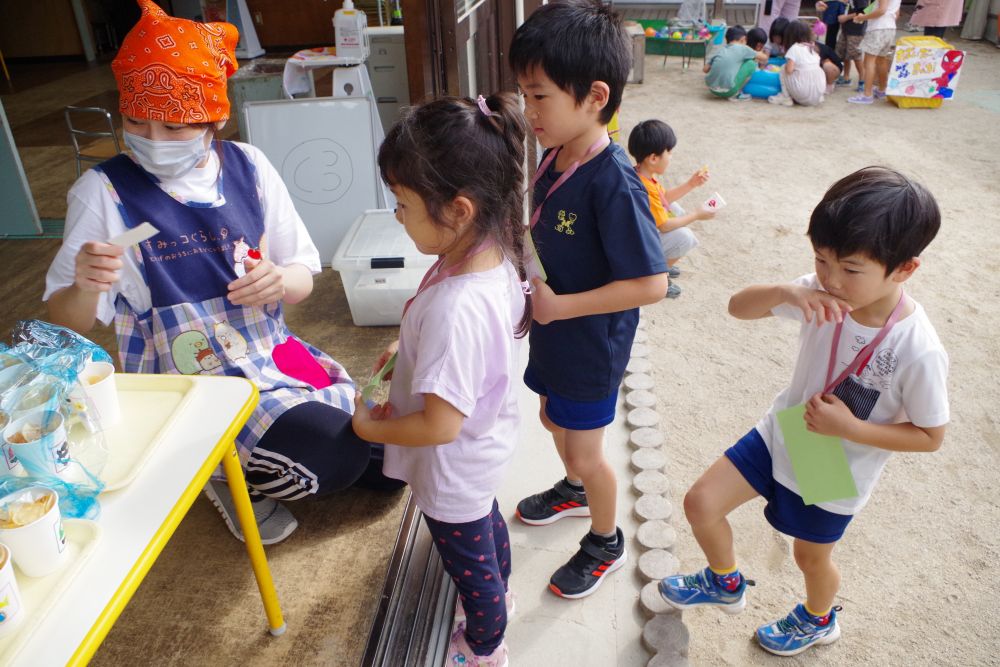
(729, 69)
(776, 46)
(757, 39)
(650, 144)
(871, 372)
(802, 78)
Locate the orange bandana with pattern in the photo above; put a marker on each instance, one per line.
(175, 70)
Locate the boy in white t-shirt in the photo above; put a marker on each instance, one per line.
(870, 371)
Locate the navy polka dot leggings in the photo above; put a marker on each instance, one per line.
(477, 556)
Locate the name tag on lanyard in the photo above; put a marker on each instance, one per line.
(532, 263)
(819, 461)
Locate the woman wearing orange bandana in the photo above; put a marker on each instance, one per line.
(205, 294)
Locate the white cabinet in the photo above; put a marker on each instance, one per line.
(387, 70)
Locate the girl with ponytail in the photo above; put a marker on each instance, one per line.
(451, 422)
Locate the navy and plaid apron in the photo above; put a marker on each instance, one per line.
(192, 328)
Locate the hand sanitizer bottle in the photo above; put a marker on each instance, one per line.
(350, 27)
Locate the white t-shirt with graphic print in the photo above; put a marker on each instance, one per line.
(92, 215)
(906, 380)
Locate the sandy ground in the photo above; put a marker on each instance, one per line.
(916, 584)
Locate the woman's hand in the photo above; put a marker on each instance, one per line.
(263, 284)
(98, 266)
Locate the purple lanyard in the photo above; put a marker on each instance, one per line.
(865, 354)
(595, 148)
(436, 274)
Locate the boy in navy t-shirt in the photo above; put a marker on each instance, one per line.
(597, 243)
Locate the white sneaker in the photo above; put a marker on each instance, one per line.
(781, 99)
(274, 521)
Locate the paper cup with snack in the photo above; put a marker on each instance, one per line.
(31, 526)
(38, 441)
(715, 203)
(10, 467)
(11, 607)
(97, 387)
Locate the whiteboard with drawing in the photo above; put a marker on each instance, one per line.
(324, 149)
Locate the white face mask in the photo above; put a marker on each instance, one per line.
(167, 159)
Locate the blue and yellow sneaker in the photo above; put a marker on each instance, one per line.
(684, 591)
(798, 631)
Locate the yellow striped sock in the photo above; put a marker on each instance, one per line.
(810, 611)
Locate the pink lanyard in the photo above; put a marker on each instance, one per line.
(865, 354)
(595, 148)
(436, 274)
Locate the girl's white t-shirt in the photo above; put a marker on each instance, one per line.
(888, 20)
(909, 370)
(804, 56)
(93, 215)
(457, 342)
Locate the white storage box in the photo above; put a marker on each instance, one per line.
(380, 268)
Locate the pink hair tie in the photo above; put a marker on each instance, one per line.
(481, 101)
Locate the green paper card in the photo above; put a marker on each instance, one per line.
(819, 461)
(370, 389)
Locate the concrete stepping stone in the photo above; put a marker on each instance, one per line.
(646, 437)
(640, 350)
(638, 365)
(652, 508)
(656, 534)
(640, 398)
(640, 336)
(657, 564)
(642, 323)
(653, 602)
(642, 417)
(639, 381)
(652, 482)
(668, 659)
(666, 634)
(648, 459)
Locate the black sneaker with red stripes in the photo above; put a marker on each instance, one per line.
(588, 567)
(551, 505)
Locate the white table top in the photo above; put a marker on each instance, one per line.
(131, 516)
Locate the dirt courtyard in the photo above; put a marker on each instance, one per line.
(916, 561)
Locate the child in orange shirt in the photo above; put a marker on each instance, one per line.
(651, 143)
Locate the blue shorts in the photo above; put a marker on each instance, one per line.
(570, 414)
(785, 509)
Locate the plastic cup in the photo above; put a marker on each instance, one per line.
(34, 397)
(11, 608)
(10, 465)
(22, 436)
(38, 544)
(98, 383)
(10, 375)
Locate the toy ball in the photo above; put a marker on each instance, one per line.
(663, 33)
(650, 32)
(703, 33)
(773, 68)
(677, 35)
(819, 28)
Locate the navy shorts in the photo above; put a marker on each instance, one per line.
(570, 414)
(785, 509)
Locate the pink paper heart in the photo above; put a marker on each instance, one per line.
(294, 360)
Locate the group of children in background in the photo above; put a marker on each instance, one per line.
(608, 235)
(857, 32)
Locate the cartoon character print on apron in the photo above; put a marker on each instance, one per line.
(192, 328)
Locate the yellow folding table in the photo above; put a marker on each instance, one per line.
(175, 432)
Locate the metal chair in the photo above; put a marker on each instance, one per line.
(106, 146)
